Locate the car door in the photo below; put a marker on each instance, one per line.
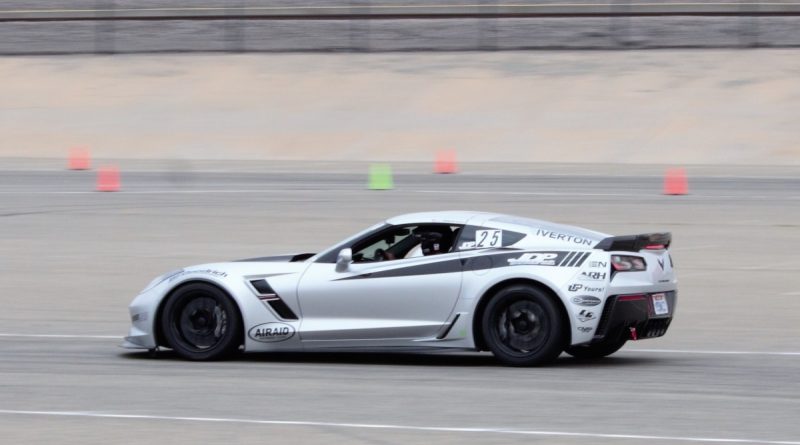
(402, 295)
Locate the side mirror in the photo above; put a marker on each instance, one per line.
(344, 259)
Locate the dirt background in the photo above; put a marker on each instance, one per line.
(722, 107)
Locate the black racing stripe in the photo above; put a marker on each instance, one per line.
(479, 262)
(574, 259)
(448, 266)
(583, 258)
(267, 259)
(566, 259)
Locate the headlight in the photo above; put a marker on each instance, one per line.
(161, 279)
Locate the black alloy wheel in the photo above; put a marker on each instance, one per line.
(200, 322)
(522, 326)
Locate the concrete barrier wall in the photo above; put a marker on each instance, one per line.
(687, 107)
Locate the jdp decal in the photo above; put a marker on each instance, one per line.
(535, 259)
(271, 332)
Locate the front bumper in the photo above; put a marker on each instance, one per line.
(628, 315)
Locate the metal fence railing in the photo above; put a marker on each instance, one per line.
(112, 26)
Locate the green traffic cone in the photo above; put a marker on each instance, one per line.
(380, 177)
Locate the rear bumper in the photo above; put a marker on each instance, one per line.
(625, 315)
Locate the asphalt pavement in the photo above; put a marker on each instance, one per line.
(73, 258)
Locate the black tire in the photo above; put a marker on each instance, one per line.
(200, 322)
(522, 326)
(597, 350)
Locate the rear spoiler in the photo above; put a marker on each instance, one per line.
(635, 243)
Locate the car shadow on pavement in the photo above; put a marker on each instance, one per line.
(449, 359)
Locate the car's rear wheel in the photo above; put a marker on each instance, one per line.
(522, 326)
(200, 322)
(597, 350)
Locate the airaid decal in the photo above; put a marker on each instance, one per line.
(271, 332)
(586, 300)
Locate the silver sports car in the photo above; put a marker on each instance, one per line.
(524, 289)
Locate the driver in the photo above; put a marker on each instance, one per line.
(434, 240)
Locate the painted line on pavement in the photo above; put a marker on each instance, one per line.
(689, 351)
(378, 426)
(104, 337)
(653, 195)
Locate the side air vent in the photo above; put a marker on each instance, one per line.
(268, 295)
(262, 287)
(282, 309)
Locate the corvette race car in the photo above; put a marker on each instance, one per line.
(524, 289)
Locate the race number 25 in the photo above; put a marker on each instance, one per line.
(488, 238)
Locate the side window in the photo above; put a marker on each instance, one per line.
(475, 237)
(402, 242)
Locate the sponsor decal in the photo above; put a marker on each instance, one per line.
(593, 289)
(598, 264)
(585, 315)
(586, 300)
(592, 276)
(575, 287)
(535, 259)
(661, 263)
(584, 329)
(212, 272)
(560, 259)
(563, 237)
(271, 332)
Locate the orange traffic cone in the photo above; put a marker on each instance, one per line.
(108, 179)
(445, 162)
(675, 182)
(78, 159)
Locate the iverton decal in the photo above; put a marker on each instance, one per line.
(563, 237)
(271, 332)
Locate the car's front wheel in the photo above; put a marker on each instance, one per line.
(522, 326)
(200, 322)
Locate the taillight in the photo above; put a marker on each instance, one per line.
(626, 263)
(631, 297)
